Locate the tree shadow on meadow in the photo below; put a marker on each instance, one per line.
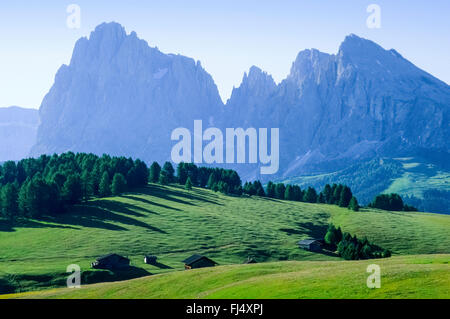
(7, 226)
(114, 215)
(309, 229)
(103, 214)
(165, 193)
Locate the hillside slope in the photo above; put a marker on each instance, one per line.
(173, 224)
(421, 182)
(420, 276)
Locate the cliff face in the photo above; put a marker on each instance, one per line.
(18, 129)
(120, 96)
(334, 109)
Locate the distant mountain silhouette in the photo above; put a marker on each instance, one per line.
(18, 129)
(120, 96)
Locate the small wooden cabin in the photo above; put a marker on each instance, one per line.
(310, 244)
(149, 259)
(111, 261)
(198, 261)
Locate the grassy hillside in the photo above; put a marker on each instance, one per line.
(420, 276)
(419, 181)
(173, 223)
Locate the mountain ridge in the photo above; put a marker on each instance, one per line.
(120, 96)
(18, 129)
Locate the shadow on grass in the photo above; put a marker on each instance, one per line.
(96, 276)
(171, 195)
(316, 231)
(8, 226)
(14, 283)
(107, 214)
(161, 266)
(146, 201)
(104, 216)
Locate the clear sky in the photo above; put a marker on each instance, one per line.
(228, 37)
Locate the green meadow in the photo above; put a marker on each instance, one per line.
(173, 223)
(418, 276)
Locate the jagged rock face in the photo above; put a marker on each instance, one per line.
(120, 96)
(335, 109)
(18, 129)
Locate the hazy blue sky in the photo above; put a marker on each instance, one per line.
(226, 36)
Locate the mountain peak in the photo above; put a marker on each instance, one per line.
(356, 45)
(109, 29)
(257, 78)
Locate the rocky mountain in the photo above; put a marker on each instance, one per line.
(18, 129)
(333, 110)
(120, 96)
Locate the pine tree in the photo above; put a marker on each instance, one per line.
(72, 190)
(104, 188)
(86, 185)
(155, 170)
(270, 190)
(182, 173)
(163, 179)
(345, 196)
(170, 172)
(310, 195)
(280, 189)
(211, 181)
(188, 184)
(327, 193)
(298, 194)
(353, 205)
(9, 196)
(119, 184)
(289, 193)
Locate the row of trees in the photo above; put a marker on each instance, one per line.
(229, 182)
(391, 202)
(351, 248)
(49, 184)
(336, 194)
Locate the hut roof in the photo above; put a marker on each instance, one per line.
(195, 258)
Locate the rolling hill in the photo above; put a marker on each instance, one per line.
(173, 224)
(418, 276)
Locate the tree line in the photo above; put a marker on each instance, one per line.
(336, 194)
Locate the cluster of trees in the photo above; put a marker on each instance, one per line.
(391, 202)
(351, 248)
(337, 194)
(222, 180)
(47, 185)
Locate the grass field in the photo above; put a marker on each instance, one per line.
(173, 223)
(417, 276)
